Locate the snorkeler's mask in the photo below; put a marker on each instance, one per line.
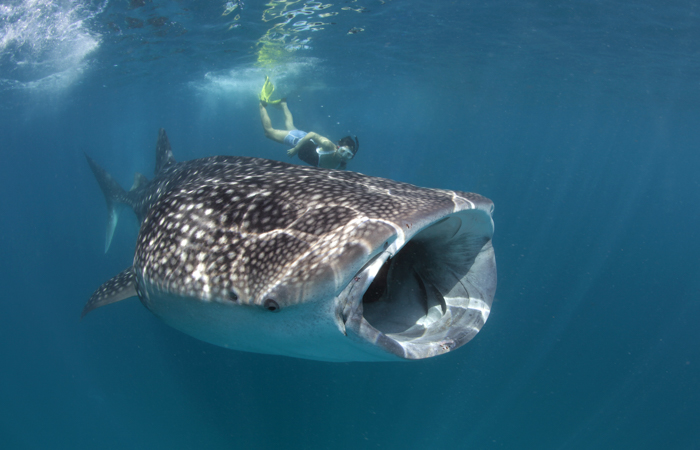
(345, 153)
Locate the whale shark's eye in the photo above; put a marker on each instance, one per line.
(271, 305)
(232, 295)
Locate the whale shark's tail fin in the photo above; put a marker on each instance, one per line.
(114, 195)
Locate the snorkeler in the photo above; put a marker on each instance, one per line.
(311, 147)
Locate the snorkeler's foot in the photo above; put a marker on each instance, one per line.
(277, 103)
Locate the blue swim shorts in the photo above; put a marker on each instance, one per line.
(293, 137)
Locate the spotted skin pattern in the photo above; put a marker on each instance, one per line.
(232, 227)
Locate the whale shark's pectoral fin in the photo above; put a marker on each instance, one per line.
(118, 288)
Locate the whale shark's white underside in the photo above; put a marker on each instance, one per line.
(268, 257)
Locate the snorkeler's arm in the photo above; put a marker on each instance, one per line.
(325, 143)
(319, 140)
(293, 151)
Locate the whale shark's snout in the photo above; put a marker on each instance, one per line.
(268, 257)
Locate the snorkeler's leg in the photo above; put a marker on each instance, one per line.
(288, 119)
(271, 133)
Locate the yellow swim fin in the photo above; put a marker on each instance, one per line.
(267, 90)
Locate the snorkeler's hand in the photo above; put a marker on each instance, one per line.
(292, 151)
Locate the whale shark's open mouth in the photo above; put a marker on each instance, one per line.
(432, 296)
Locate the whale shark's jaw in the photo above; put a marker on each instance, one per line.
(411, 299)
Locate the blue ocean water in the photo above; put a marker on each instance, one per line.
(577, 118)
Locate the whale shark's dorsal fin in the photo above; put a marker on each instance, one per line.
(118, 288)
(139, 181)
(164, 154)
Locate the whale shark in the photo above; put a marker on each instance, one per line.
(263, 256)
